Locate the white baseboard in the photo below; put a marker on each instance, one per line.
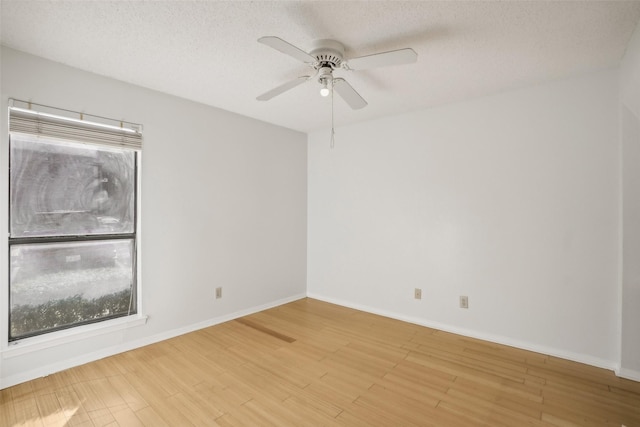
(629, 374)
(110, 351)
(563, 354)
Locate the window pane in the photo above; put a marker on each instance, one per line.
(63, 189)
(54, 285)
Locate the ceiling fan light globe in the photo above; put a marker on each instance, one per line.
(324, 91)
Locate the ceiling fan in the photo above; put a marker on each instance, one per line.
(327, 56)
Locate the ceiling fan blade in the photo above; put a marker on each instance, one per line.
(349, 94)
(282, 88)
(287, 48)
(384, 59)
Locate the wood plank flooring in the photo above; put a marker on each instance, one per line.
(310, 363)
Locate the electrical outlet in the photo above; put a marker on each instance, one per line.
(218, 293)
(417, 293)
(464, 302)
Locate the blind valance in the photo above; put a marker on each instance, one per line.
(34, 119)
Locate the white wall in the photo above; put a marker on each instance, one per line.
(630, 137)
(512, 200)
(223, 204)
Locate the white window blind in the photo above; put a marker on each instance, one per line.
(35, 119)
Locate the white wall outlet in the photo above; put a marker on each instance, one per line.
(417, 293)
(464, 301)
(219, 293)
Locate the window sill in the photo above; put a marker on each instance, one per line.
(29, 345)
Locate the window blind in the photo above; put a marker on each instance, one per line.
(34, 119)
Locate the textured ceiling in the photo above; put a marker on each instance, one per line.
(207, 51)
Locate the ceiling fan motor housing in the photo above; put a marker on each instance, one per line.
(328, 53)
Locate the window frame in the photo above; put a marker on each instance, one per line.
(90, 327)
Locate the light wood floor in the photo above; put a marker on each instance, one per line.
(313, 363)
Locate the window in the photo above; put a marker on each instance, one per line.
(72, 223)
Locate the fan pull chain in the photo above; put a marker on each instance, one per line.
(333, 131)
